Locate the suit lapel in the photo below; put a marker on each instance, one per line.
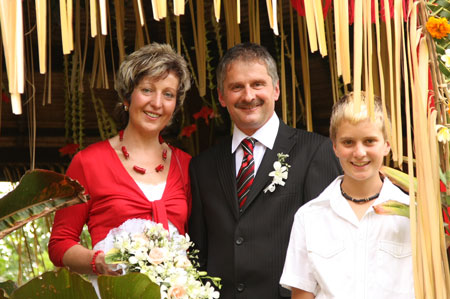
(226, 174)
(283, 144)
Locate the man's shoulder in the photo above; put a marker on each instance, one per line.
(310, 136)
(304, 140)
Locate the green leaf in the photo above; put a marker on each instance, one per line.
(114, 257)
(440, 49)
(131, 285)
(398, 177)
(39, 193)
(443, 3)
(61, 284)
(444, 70)
(392, 207)
(8, 286)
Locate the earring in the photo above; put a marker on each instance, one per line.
(125, 107)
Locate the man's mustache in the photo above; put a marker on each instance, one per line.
(249, 105)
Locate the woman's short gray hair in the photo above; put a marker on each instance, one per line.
(154, 61)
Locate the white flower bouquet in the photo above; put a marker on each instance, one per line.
(164, 259)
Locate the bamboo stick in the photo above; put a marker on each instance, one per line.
(103, 24)
(201, 50)
(381, 72)
(178, 7)
(238, 12)
(397, 132)
(41, 22)
(357, 53)
(93, 15)
(283, 67)
(275, 16)
(141, 14)
(119, 9)
(139, 40)
(320, 29)
(217, 10)
(12, 34)
(305, 72)
(292, 61)
(310, 24)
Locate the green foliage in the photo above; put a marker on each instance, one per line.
(132, 285)
(23, 253)
(63, 283)
(39, 193)
(7, 286)
(56, 284)
(106, 124)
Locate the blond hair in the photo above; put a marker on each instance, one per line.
(344, 109)
(154, 61)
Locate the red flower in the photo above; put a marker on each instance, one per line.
(188, 130)
(206, 113)
(442, 185)
(69, 149)
(5, 98)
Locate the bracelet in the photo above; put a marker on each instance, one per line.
(94, 268)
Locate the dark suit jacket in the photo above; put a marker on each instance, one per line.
(247, 247)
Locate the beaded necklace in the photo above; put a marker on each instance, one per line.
(358, 201)
(139, 169)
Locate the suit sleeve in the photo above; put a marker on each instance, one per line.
(197, 225)
(322, 170)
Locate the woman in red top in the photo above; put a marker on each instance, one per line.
(134, 175)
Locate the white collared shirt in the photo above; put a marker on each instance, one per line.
(334, 255)
(265, 137)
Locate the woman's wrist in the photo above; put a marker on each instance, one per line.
(93, 265)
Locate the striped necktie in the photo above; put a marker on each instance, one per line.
(246, 173)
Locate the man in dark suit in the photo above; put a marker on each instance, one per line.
(241, 220)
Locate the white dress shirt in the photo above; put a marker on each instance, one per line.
(334, 255)
(265, 137)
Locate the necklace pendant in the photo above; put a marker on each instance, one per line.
(125, 152)
(159, 168)
(139, 169)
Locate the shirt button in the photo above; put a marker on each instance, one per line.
(240, 287)
(239, 241)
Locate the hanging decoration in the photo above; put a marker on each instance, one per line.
(11, 21)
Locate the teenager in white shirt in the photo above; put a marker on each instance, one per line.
(339, 247)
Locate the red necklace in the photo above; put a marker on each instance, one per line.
(142, 170)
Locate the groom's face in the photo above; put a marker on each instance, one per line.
(249, 95)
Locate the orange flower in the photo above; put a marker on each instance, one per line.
(438, 27)
(188, 130)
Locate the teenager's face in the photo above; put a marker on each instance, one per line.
(249, 95)
(360, 148)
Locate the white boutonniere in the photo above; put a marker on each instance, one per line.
(280, 172)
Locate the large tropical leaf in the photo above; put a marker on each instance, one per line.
(39, 193)
(60, 284)
(8, 287)
(132, 285)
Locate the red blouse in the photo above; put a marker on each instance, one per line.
(115, 198)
